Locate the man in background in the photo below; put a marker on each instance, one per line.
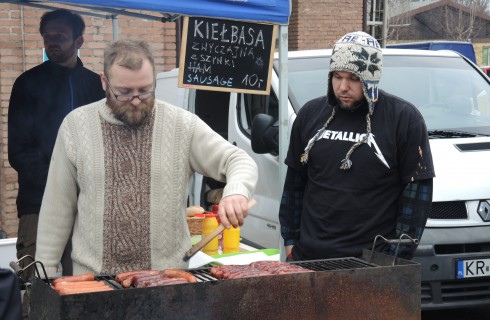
(41, 97)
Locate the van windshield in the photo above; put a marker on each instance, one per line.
(448, 91)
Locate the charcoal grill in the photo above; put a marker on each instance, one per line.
(373, 287)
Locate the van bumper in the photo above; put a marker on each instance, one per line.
(438, 253)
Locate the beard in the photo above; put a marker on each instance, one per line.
(129, 114)
(56, 54)
(351, 106)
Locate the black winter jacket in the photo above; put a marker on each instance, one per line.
(41, 97)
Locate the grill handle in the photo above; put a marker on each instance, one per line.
(19, 270)
(404, 239)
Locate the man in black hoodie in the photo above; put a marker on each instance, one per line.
(41, 97)
(359, 164)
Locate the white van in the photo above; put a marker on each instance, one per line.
(8, 252)
(454, 97)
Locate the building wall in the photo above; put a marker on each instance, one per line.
(314, 24)
(317, 24)
(481, 47)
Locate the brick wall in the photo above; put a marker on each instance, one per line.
(21, 49)
(317, 24)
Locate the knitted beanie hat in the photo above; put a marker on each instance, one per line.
(360, 54)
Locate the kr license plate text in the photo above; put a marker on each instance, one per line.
(473, 268)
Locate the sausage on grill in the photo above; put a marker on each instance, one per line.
(120, 277)
(161, 282)
(176, 273)
(75, 290)
(80, 277)
(74, 287)
(143, 278)
(255, 269)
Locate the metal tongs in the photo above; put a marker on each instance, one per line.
(404, 239)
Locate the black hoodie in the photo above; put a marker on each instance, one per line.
(41, 98)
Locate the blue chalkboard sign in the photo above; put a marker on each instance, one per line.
(226, 55)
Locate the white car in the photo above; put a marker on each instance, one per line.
(452, 94)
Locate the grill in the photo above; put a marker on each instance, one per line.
(448, 210)
(374, 287)
(469, 292)
(336, 264)
(461, 248)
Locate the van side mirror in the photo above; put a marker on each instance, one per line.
(265, 135)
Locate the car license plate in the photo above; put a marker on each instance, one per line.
(472, 268)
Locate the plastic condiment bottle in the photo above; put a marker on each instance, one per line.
(231, 239)
(208, 225)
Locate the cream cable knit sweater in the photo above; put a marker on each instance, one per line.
(74, 195)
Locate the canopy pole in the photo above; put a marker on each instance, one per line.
(115, 29)
(283, 116)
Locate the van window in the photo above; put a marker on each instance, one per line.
(249, 105)
(307, 79)
(428, 83)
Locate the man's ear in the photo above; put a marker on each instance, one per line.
(103, 80)
(79, 42)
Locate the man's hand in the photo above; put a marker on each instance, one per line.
(232, 210)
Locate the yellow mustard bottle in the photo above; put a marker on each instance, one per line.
(231, 240)
(208, 225)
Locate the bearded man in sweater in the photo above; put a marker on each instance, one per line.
(120, 171)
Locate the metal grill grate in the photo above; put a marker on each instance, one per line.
(448, 210)
(336, 264)
(204, 274)
(315, 265)
(110, 280)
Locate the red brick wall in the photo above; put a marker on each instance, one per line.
(314, 24)
(318, 24)
(21, 49)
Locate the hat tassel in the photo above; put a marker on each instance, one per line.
(346, 163)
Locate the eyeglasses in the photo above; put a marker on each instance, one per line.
(129, 97)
